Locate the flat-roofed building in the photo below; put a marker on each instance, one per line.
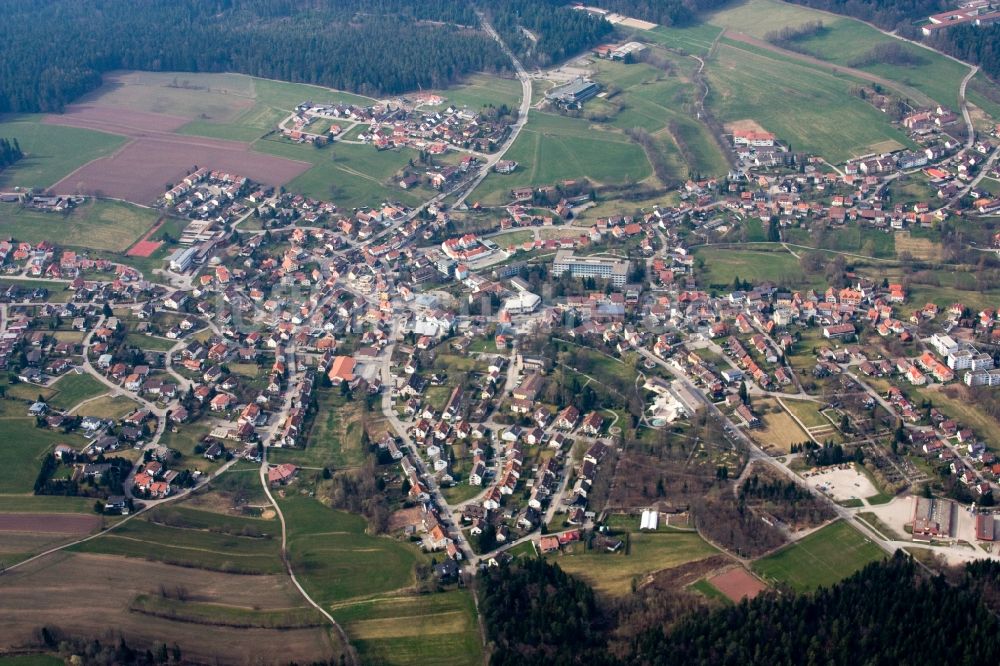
(604, 268)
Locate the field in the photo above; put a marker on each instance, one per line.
(808, 108)
(481, 90)
(71, 389)
(779, 431)
(349, 175)
(98, 225)
(722, 266)
(113, 591)
(109, 407)
(438, 629)
(696, 39)
(195, 546)
(51, 152)
(22, 447)
(820, 559)
(156, 155)
(613, 573)
(335, 438)
(210, 97)
(335, 559)
(552, 148)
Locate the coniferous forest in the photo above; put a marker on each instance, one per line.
(53, 51)
(10, 152)
(888, 613)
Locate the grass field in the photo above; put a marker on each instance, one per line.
(51, 151)
(723, 265)
(429, 629)
(807, 412)
(712, 592)
(71, 389)
(613, 573)
(151, 342)
(552, 148)
(335, 438)
(481, 90)
(810, 109)
(696, 39)
(350, 175)
(194, 546)
(109, 407)
(779, 430)
(821, 559)
(335, 559)
(45, 504)
(98, 225)
(22, 448)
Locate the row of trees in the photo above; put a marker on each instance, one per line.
(978, 45)
(343, 44)
(10, 152)
(887, 14)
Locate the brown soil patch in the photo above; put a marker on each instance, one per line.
(745, 125)
(685, 574)
(140, 170)
(920, 248)
(89, 595)
(49, 523)
(404, 518)
(737, 584)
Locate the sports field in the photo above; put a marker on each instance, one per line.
(820, 559)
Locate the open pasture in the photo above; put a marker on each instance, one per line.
(50, 152)
(97, 225)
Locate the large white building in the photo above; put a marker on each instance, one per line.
(603, 268)
(969, 359)
(983, 378)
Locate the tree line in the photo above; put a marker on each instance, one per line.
(978, 45)
(887, 613)
(53, 51)
(886, 14)
(10, 152)
(666, 12)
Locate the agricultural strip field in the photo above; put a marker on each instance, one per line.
(414, 630)
(150, 603)
(51, 152)
(199, 546)
(811, 109)
(613, 573)
(820, 559)
(140, 170)
(98, 225)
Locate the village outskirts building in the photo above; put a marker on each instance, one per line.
(574, 93)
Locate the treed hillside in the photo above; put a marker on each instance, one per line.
(53, 51)
(886, 14)
(665, 12)
(555, 31)
(980, 46)
(886, 614)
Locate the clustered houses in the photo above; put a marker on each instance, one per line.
(433, 131)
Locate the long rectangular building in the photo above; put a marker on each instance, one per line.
(604, 268)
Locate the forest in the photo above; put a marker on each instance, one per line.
(10, 152)
(53, 51)
(888, 613)
(886, 14)
(665, 12)
(978, 45)
(556, 30)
